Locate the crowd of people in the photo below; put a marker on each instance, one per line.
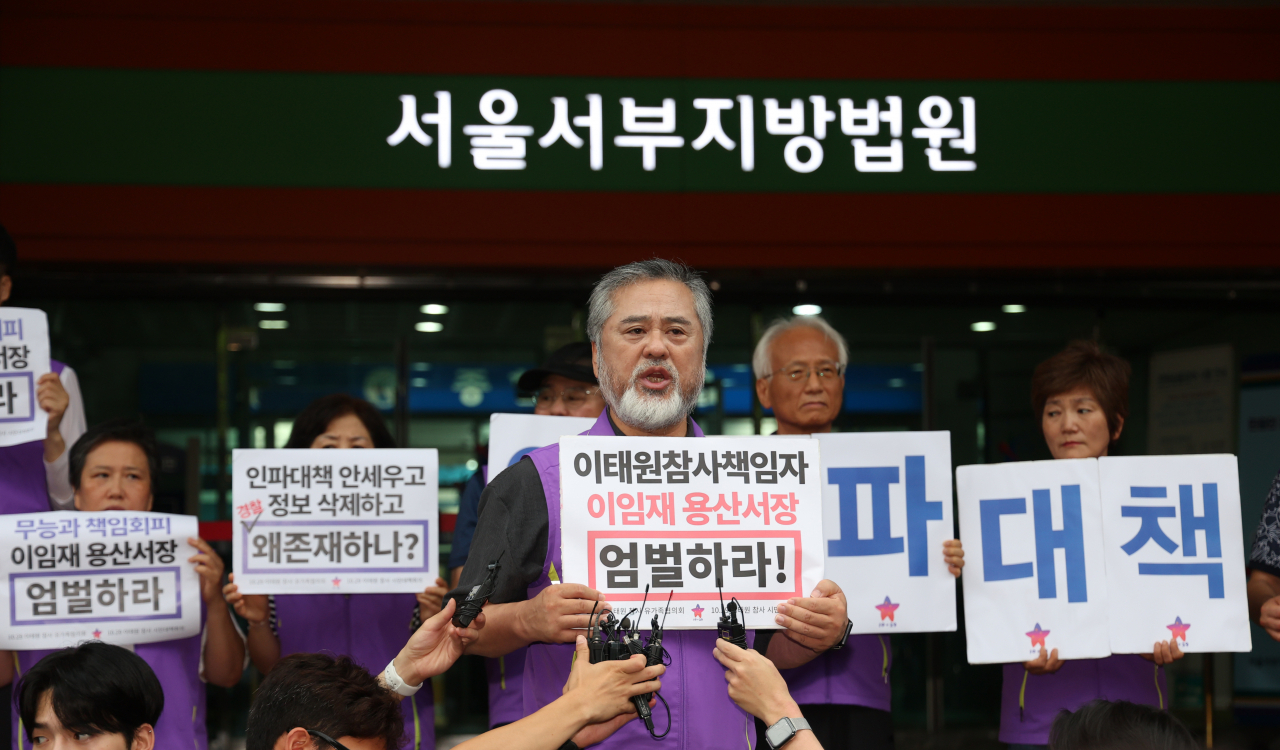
(808, 683)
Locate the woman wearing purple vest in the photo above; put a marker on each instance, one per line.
(649, 323)
(370, 628)
(1081, 396)
(111, 469)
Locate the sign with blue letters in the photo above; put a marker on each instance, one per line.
(1175, 553)
(1035, 571)
(886, 501)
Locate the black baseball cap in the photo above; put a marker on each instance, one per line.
(572, 361)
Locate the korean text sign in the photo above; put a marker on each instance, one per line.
(677, 514)
(335, 521)
(512, 436)
(1175, 553)
(886, 498)
(24, 357)
(117, 576)
(1034, 560)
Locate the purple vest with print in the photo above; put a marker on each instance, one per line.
(23, 488)
(856, 675)
(702, 715)
(506, 678)
(177, 666)
(1029, 703)
(371, 629)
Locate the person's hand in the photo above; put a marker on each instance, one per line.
(816, 622)
(755, 683)
(1269, 617)
(52, 397)
(1165, 652)
(254, 608)
(953, 553)
(209, 567)
(604, 691)
(431, 599)
(558, 611)
(1045, 663)
(435, 646)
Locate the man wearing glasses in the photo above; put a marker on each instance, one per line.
(565, 386)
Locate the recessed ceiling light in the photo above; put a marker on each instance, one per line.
(269, 306)
(982, 326)
(807, 310)
(273, 325)
(429, 327)
(434, 309)
(1015, 308)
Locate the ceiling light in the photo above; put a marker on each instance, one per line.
(269, 306)
(1015, 308)
(807, 310)
(273, 325)
(429, 327)
(434, 309)
(982, 326)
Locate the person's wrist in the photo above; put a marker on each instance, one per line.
(404, 667)
(778, 710)
(524, 630)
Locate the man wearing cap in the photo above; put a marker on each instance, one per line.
(799, 365)
(565, 386)
(649, 323)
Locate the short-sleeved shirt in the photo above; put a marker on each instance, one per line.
(1265, 555)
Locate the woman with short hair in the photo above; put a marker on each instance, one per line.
(370, 628)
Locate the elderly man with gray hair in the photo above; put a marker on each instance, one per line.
(650, 324)
(799, 366)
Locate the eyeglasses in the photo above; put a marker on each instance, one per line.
(573, 396)
(827, 371)
(332, 742)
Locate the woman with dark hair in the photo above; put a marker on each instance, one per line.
(1081, 397)
(91, 697)
(370, 628)
(1119, 725)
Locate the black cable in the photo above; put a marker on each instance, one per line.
(668, 707)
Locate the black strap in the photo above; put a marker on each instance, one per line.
(568, 745)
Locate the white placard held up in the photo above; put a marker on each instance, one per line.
(1175, 553)
(335, 521)
(1034, 561)
(115, 576)
(511, 436)
(676, 513)
(24, 357)
(886, 498)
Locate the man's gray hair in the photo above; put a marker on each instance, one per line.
(761, 360)
(600, 306)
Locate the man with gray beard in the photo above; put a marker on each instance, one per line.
(650, 324)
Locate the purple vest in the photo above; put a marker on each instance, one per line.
(506, 678)
(371, 629)
(177, 666)
(702, 715)
(23, 488)
(1029, 703)
(856, 675)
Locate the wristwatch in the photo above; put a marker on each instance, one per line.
(781, 733)
(847, 629)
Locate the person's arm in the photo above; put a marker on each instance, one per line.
(6, 668)
(1264, 601)
(223, 646)
(59, 395)
(757, 687)
(811, 625)
(264, 644)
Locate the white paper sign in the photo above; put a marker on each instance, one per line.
(116, 576)
(678, 513)
(1175, 553)
(335, 521)
(1034, 560)
(24, 357)
(886, 498)
(512, 436)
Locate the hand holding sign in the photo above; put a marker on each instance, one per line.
(254, 608)
(209, 567)
(816, 622)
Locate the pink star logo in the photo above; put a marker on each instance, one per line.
(98, 633)
(1038, 636)
(1179, 629)
(337, 582)
(697, 612)
(887, 609)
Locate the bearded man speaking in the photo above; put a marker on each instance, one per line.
(649, 324)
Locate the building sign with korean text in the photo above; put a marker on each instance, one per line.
(117, 576)
(335, 521)
(678, 514)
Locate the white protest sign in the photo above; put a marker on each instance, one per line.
(511, 436)
(335, 521)
(1175, 553)
(24, 357)
(886, 498)
(116, 576)
(1034, 561)
(678, 513)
